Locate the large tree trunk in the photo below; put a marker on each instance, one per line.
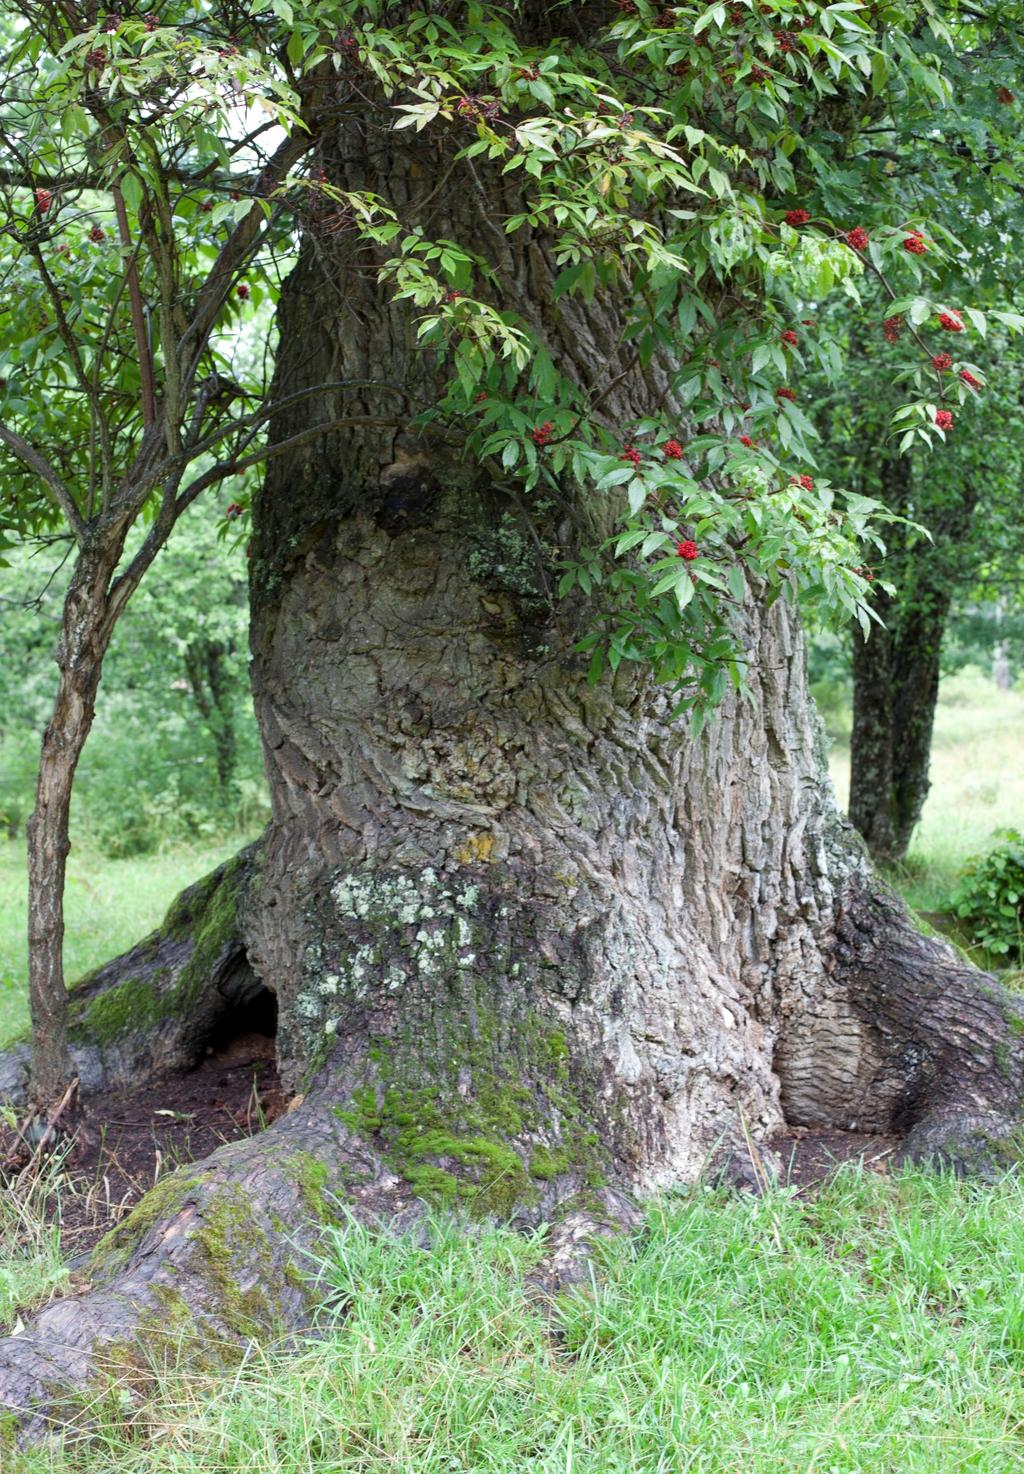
(536, 947)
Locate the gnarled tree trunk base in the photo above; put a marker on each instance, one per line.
(505, 1117)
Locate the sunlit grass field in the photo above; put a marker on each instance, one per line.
(977, 777)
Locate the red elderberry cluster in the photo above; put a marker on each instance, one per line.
(1005, 96)
(759, 74)
(786, 41)
(111, 23)
(472, 108)
(687, 550)
(242, 290)
(969, 378)
(807, 482)
(951, 321)
(233, 510)
(97, 234)
(543, 433)
(630, 453)
(673, 450)
(746, 440)
(858, 238)
(43, 200)
(941, 362)
(892, 327)
(97, 60)
(452, 296)
(528, 74)
(915, 243)
(785, 394)
(789, 336)
(944, 419)
(150, 22)
(797, 217)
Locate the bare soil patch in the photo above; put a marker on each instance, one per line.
(118, 1144)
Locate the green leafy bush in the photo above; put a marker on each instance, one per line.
(990, 896)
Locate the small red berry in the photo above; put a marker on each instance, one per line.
(789, 336)
(809, 322)
(687, 550)
(941, 362)
(1005, 96)
(242, 291)
(785, 394)
(97, 234)
(673, 450)
(631, 454)
(233, 510)
(892, 327)
(43, 200)
(807, 482)
(951, 321)
(797, 217)
(746, 440)
(969, 378)
(452, 296)
(943, 419)
(542, 434)
(915, 243)
(858, 238)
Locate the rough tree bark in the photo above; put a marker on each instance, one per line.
(535, 947)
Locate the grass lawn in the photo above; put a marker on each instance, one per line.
(110, 905)
(977, 775)
(878, 1329)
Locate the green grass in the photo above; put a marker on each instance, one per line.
(977, 776)
(876, 1330)
(32, 1266)
(110, 904)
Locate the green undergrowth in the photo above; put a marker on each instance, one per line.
(32, 1266)
(877, 1328)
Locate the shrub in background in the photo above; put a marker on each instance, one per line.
(990, 897)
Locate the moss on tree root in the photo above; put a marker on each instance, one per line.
(205, 919)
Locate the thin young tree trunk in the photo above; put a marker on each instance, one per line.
(82, 645)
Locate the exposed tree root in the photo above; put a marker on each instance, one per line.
(155, 1007)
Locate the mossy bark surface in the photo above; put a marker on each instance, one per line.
(154, 1008)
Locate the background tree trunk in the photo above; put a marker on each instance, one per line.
(896, 670)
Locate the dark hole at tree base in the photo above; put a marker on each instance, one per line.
(123, 1141)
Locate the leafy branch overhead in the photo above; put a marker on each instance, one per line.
(722, 170)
